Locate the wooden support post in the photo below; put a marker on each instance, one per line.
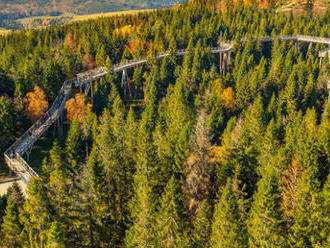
(28, 152)
(226, 63)
(223, 63)
(58, 125)
(124, 81)
(309, 49)
(61, 124)
(297, 45)
(220, 63)
(92, 92)
(54, 130)
(321, 60)
(229, 57)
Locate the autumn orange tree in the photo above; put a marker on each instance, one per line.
(77, 108)
(88, 62)
(36, 103)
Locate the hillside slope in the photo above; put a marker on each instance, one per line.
(48, 7)
(296, 6)
(319, 6)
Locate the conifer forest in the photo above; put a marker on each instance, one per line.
(219, 138)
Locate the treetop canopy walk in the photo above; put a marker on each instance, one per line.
(13, 155)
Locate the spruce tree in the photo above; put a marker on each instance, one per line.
(311, 226)
(36, 214)
(228, 229)
(169, 220)
(202, 226)
(11, 227)
(142, 207)
(265, 224)
(55, 236)
(196, 73)
(114, 187)
(74, 145)
(3, 205)
(6, 123)
(16, 194)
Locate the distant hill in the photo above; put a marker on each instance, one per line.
(56, 7)
(296, 6)
(319, 6)
(12, 10)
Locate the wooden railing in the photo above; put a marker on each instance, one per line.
(13, 155)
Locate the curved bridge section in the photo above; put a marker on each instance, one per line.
(13, 155)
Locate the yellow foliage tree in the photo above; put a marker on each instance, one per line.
(227, 98)
(77, 108)
(36, 103)
(126, 30)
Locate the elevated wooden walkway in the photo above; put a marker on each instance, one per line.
(13, 155)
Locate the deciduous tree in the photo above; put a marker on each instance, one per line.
(36, 104)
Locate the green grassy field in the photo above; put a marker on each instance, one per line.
(110, 14)
(69, 17)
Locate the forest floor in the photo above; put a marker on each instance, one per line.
(41, 148)
(4, 171)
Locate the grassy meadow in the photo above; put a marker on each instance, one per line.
(37, 21)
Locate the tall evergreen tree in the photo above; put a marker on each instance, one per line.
(310, 226)
(228, 229)
(11, 227)
(55, 236)
(202, 226)
(142, 208)
(6, 123)
(169, 220)
(74, 145)
(36, 214)
(265, 224)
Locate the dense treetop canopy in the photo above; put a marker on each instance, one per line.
(181, 155)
